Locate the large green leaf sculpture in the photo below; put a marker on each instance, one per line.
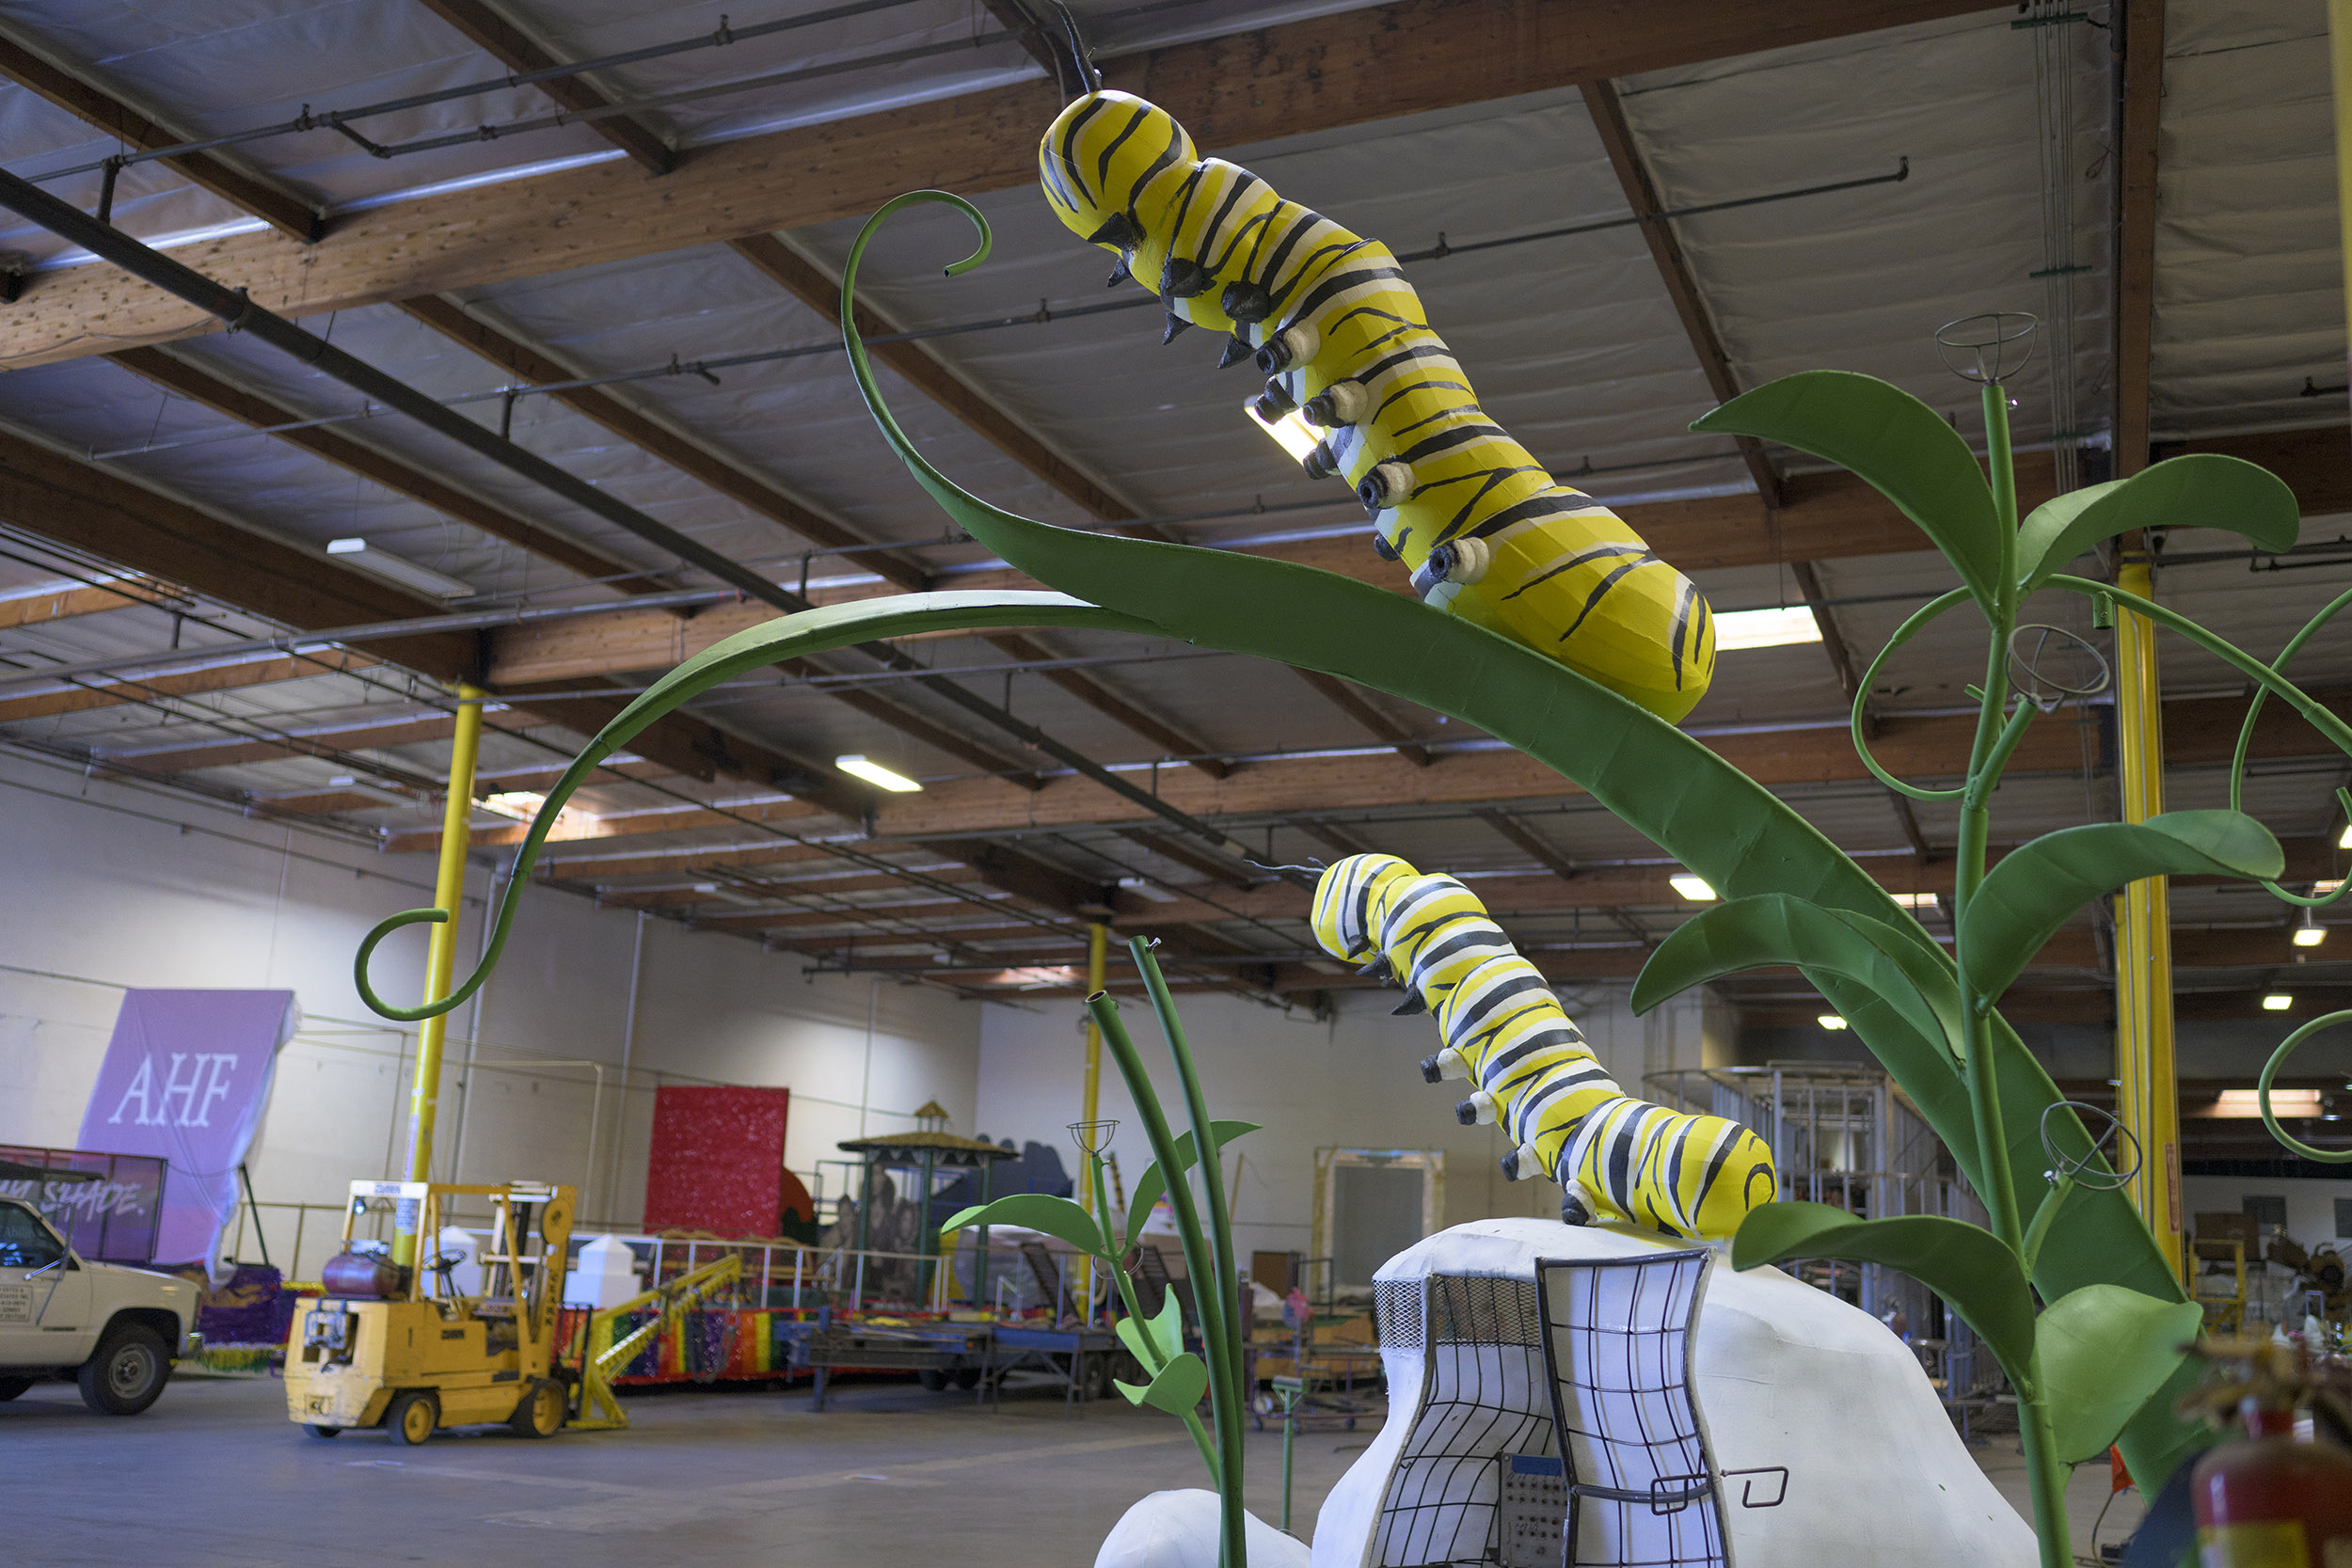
(1904, 448)
(2037, 887)
(1965, 1264)
(2100, 1354)
(2204, 489)
(1152, 1184)
(1770, 928)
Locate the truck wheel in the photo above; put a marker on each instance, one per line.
(315, 1429)
(968, 1377)
(541, 1414)
(933, 1379)
(130, 1367)
(12, 1386)
(412, 1416)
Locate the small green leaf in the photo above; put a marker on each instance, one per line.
(1176, 1390)
(2100, 1354)
(2201, 489)
(1153, 1182)
(1056, 1216)
(1966, 1265)
(1900, 446)
(2037, 887)
(1780, 928)
(1156, 1341)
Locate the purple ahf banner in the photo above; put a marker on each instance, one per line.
(187, 1076)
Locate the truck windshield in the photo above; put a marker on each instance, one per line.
(25, 1242)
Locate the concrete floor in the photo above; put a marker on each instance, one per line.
(213, 1475)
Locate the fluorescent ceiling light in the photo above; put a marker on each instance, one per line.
(876, 774)
(2344, 841)
(1292, 432)
(1916, 900)
(726, 893)
(1766, 629)
(392, 568)
(2277, 1001)
(2284, 1102)
(2326, 885)
(1692, 888)
(1831, 1022)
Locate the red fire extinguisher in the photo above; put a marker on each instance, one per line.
(2271, 1502)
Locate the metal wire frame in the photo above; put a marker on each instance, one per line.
(1616, 1341)
(1481, 1400)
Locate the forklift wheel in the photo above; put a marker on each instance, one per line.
(541, 1414)
(413, 1417)
(317, 1431)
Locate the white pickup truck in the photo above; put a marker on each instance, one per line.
(115, 1330)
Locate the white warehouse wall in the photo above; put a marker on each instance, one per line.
(1351, 1082)
(112, 884)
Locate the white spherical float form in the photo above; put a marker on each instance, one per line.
(1738, 1417)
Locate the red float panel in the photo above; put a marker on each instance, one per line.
(717, 1161)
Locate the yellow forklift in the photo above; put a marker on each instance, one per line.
(397, 1346)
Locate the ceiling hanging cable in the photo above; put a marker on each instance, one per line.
(2053, 44)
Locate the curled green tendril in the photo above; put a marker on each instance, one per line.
(1904, 633)
(2270, 1072)
(2246, 741)
(788, 637)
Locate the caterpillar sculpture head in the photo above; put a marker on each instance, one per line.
(1112, 165)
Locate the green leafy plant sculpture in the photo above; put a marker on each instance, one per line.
(1178, 1377)
(2086, 1366)
(1936, 1031)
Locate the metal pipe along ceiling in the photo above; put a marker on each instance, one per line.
(234, 307)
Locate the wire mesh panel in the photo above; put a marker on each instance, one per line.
(1616, 1337)
(1483, 1401)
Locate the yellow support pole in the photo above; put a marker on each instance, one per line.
(2148, 1092)
(449, 890)
(2339, 50)
(1089, 1105)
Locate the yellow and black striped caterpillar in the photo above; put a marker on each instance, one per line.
(1484, 529)
(1617, 1157)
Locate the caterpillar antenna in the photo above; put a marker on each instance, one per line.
(1074, 50)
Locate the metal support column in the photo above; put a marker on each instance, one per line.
(1098, 946)
(449, 890)
(2148, 1097)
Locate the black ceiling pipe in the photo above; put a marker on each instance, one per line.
(236, 307)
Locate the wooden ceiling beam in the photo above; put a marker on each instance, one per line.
(67, 604)
(1828, 515)
(87, 696)
(1300, 77)
(103, 514)
(295, 220)
(516, 49)
(1673, 269)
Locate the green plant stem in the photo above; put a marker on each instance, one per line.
(1151, 1358)
(1994, 742)
(1203, 1140)
(1224, 1397)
